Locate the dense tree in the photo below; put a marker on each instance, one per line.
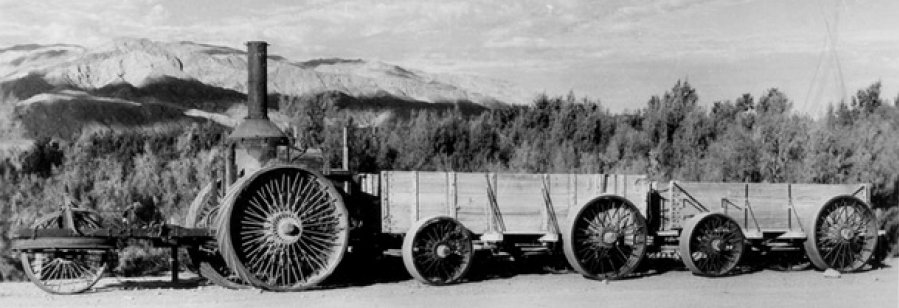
(868, 100)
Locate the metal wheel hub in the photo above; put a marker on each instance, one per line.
(286, 228)
(846, 234)
(718, 245)
(443, 250)
(610, 238)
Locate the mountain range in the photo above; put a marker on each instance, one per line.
(59, 90)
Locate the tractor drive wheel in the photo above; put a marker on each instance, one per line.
(844, 235)
(283, 228)
(605, 238)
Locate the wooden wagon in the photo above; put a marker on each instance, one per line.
(443, 215)
(715, 223)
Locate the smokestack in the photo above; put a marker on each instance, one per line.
(257, 91)
(257, 125)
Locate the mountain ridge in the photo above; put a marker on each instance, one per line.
(169, 78)
(135, 61)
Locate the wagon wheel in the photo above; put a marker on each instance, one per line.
(605, 238)
(438, 250)
(67, 265)
(844, 235)
(206, 257)
(711, 244)
(283, 228)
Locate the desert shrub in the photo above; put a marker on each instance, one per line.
(10, 269)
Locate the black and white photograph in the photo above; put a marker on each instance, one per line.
(449, 153)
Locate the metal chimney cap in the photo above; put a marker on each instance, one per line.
(257, 129)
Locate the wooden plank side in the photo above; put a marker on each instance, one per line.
(563, 194)
(399, 193)
(471, 195)
(433, 194)
(587, 186)
(770, 205)
(520, 200)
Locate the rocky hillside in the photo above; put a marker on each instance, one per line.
(59, 90)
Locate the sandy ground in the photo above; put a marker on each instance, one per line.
(672, 288)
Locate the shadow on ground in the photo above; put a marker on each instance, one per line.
(160, 283)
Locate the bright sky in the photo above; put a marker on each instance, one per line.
(620, 51)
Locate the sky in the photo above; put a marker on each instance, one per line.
(618, 51)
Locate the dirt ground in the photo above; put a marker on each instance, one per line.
(675, 287)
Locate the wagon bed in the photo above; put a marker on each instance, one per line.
(832, 224)
(506, 203)
(781, 210)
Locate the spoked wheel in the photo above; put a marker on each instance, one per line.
(66, 265)
(283, 228)
(64, 271)
(711, 244)
(438, 251)
(206, 258)
(605, 238)
(844, 235)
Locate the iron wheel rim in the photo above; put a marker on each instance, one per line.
(606, 239)
(713, 245)
(438, 251)
(284, 229)
(844, 236)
